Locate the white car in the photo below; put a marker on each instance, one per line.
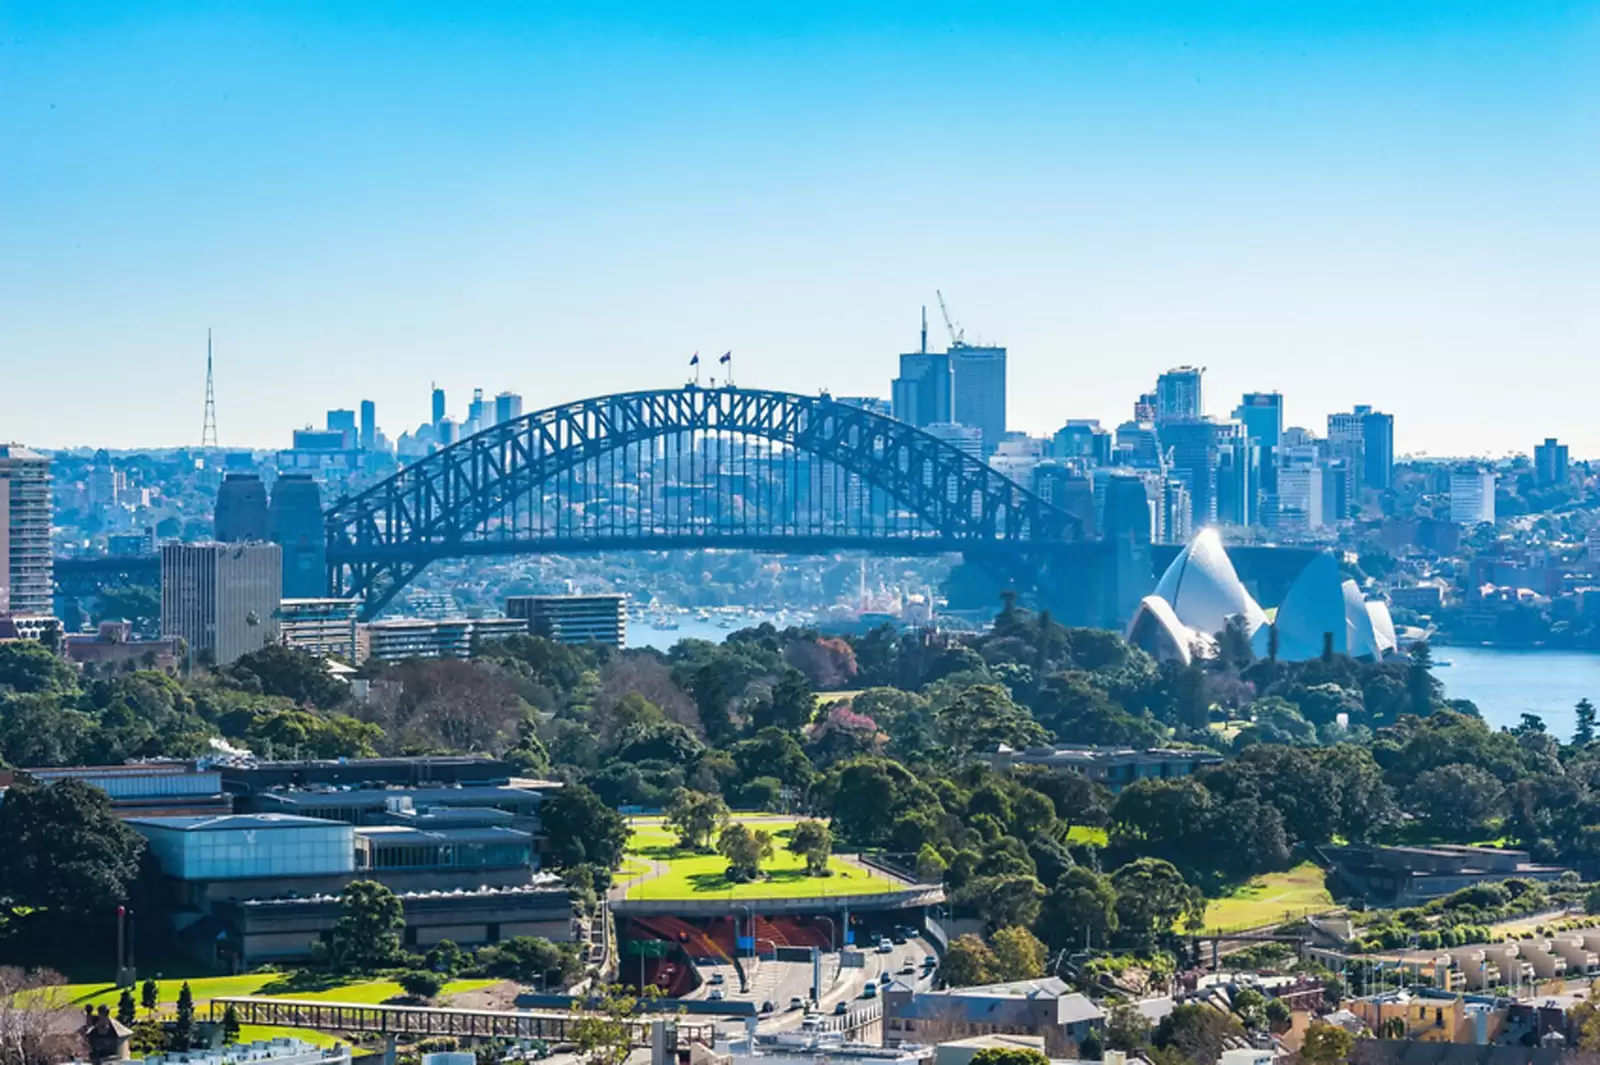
(885, 947)
(716, 994)
(717, 979)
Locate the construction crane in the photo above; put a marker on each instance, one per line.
(958, 337)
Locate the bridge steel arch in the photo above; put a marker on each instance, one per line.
(481, 495)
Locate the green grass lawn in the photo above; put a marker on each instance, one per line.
(1266, 899)
(363, 992)
(1086, 834)
(692, 875)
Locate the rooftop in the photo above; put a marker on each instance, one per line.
(378, 796)
(232, 822)
(398, 835)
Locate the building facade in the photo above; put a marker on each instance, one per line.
(403, 638)
(1472, 496)
(322, 627)
(25, 558)
(573, 618)
(222, 600)
(295, 520)
(921, 394)
(241, 514)
(978, 391)
(1178, 395)
(1550, 463)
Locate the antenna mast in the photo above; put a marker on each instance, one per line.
(208, 431)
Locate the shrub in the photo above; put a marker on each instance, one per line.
(420, 983)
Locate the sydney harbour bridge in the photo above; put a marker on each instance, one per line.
(694, 467)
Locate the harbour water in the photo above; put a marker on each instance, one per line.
(1506, 683)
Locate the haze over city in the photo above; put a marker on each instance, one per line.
(1394, 205)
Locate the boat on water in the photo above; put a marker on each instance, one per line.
(663, 622)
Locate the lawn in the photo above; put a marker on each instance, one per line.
(1268, 899)
(691, 875)
(1086, 834)
(364, 992)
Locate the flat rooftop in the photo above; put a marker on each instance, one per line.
(233, 822)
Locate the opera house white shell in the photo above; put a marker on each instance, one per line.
(1201, 591)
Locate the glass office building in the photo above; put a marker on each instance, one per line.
(243, 846)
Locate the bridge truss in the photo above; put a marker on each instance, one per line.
(689, 467)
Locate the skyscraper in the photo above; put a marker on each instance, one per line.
(25, 560)
(1261, 414)
(241, 513)
(1178, 396)
(978, 391)
(1377, 445)
(1195, 446)
(438, 406)
(1550, 463)
(1472, 496)
(921, 394)
(369, 425)
(221, 599)
(507, 407)
(480, 413)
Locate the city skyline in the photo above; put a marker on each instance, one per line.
(1371, 205)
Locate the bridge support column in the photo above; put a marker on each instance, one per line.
(388, 1050)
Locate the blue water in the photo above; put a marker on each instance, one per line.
(1505, 683)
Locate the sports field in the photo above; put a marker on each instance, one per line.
(691, 875)
(1270, 899)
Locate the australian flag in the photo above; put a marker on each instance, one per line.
(726, 357)
(696, 360)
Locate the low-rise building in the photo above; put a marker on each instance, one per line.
(1405, 876)
(113, 646)
(1046, 1008)
(403, 638)
(42, 628)
(576, 619)
(146, 789)
(1115, 767)
(322, 627)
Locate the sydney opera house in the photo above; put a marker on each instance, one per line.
(1200, 593)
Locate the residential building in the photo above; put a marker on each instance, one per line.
(25, 557)
(921, 394)
(322, 627)
(1115, 767)
(1178, 395)
(113, 644)
(1550, 464)
(573, 618)
(507, 407)
(978, 391)
(40, 628)
(402, 638)
(221, 599)
(1046, 1008)
(241, 513)
(1472, 496)
(295, 523)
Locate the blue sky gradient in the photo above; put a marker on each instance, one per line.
(1388, 203)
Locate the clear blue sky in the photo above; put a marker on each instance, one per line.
(1393, 203)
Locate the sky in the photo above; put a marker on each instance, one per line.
(1360, 202)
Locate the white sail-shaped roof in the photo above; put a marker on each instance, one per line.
(1156, 630)
(1313, 606)
(1382, 626)
(1203, 589)
(1360, 640)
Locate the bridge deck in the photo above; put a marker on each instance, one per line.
(427, 1020)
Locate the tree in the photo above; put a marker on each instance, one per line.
(230, 1025)
(28, 667)
(183, 1024)
(1010, 1056)
(812, 840)
(127, 1012)
(420, 983)
(1327, 1044)
(580, 828)
(968, 962)
(532, 960)
(281, 670)
(1018, 954)
(1457, 799)
(1007, 899)
(67, 859)
(695, 817)
(790, 706)
(367, 934)
(1127, 1030)
(1152, 896)
(930, 865)
(982, 717)
(1584, 734)
(602, 1032)
(38, 1025)
(745, 850)
(1080, 911)
(1199, 1033)
(149, 994)
(444, 957)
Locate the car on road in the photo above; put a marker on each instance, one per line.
(841, 1009)
(870, 991)
(717, 994)
(796, 1002)
(885, 947)
(930, 961)
(717, 979)
(768, 1006)
(885, 977)
(909, 968)
(899, 939)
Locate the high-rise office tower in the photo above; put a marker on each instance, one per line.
(1377, 447)
(221, 599)
(1144, 409)
(438, 405)
(369, 425)
(241, 513)
(1178, 395)
(921, 394)
(1472, 496)
(978, 391)
(1195, 446)
(295, 518)
(1261, 414)
(1238, 469)
(1550, 463)
(507, 407)
(25, 559)
(1125, 510)
(480, 412)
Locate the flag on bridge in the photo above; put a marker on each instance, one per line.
(726, 357)
(696, 360)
